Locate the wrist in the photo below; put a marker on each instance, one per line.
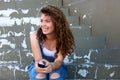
(52, 66)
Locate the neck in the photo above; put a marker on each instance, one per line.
(50, 37)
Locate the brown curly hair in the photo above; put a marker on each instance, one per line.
(65, 39)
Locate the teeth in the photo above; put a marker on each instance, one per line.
(45, 29)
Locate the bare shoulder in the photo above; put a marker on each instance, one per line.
(33, 35)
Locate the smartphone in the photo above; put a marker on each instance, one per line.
(42, 64)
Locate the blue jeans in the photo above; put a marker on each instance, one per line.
(62, 71)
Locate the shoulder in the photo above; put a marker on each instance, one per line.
(33, 34)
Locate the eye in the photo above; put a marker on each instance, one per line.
(41, 20)
(48, 21)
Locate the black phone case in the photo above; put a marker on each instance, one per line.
(41, 65)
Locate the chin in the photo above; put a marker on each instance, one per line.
(45, 33)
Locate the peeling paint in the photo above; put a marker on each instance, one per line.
(77, 57)
(96, 73)
(24, 44)
(19, 34)
(75, 10)
(88, 57)
(6, 42)
(6, 13)
(29, 54)
(2, 54)
(18, 21)
(3, 35)
(7, 0)
(6, 21)
(32, 28)
(112, 74)
(67, 60)
(83, 72)
(10, 33)
(25, 11)
(86, 65)
(20, 60)
(84, 16)
(8, 62)
(109, 66)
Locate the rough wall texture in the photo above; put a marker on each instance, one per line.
(91, 59)
(102, 15)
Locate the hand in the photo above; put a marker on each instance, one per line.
(47, 69)
(49, 66)
(38, 69)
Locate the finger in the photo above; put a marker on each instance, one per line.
(46, 62)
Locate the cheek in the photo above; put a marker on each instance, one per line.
(53, 28)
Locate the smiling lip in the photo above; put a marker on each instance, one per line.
(45, 29)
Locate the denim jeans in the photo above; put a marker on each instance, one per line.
(62, 71)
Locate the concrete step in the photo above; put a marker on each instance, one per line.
(32, 12)
(7, 43)
(89, 64)
(76, 72)
(18, 57)
(14, 63)
(22, 42)
(5, 4)
(81, 42)
(27, 4)
(80, 30)
(94, 56)
(57, 3)
(90, 42)
(14, 31)
(14, 42)
(65, 11)
(13, 72)
(73, 20)
(17, 30)
(96, 72)
(106, 56)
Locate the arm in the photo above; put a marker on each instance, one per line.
(53, 65)
(35, 47)
(58, 61)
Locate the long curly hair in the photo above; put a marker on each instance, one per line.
(65, 39)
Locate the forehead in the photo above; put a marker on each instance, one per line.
(45, 16)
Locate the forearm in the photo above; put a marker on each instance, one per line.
(37, 57)
(36, 53)
(35, 46)
(56, 64)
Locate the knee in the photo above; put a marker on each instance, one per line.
(40, 76)
(54, 76)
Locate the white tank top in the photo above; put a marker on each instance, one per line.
(48, 52)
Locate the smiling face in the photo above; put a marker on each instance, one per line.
(47, 24)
